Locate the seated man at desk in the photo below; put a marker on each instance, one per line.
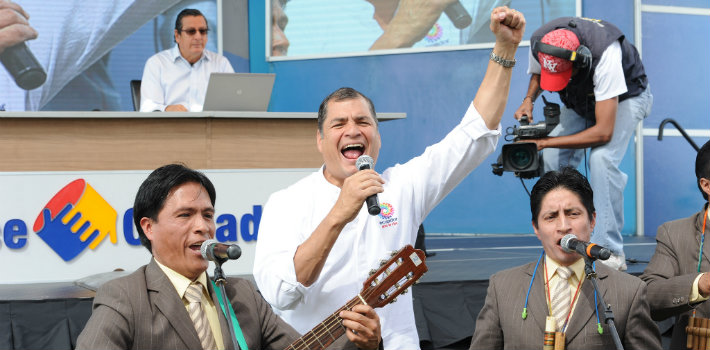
(175, 80)
(171, 303)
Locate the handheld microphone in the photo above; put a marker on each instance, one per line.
(570, 244)
(373, 204)
(458, 15)
(212, 250)
(23, 66)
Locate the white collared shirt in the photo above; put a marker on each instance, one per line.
(411, 191)
(169, 79)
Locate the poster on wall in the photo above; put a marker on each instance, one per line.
(90, 50)
(310, 29)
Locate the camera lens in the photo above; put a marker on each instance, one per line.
(521, 158)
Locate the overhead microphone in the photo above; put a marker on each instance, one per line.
(571, 244)
(213, 250)
(458, 15)
(373, 204)
(23, 66)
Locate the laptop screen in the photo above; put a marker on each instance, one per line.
(239, 92)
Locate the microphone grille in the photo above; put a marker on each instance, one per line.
(364, 162)
(205, 246)
(565, 242)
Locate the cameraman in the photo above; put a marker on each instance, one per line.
(603, 86)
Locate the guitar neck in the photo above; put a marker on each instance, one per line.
(326, 332)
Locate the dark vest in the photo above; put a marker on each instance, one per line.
(596, 35)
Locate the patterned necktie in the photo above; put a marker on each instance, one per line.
(193, 295)
(561, 297)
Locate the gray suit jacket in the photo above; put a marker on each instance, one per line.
(672, 270)
(143, 311)
(500, 325)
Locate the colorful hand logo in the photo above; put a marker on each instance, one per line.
(85, 220)
(61, 237)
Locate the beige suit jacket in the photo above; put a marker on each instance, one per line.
(672, 270)
(144, 311)
(501, 326)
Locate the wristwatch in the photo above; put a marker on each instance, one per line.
(502, 61)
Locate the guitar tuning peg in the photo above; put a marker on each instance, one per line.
(383, 262)
(394, 253)
(372, 272)
(405, 291)
(394, 300)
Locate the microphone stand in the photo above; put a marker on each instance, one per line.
(608, 314)
(221, 280)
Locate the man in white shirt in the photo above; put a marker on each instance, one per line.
(175, 80)
(317, 241)
(602, 83)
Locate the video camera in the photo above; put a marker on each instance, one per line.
(523, 158)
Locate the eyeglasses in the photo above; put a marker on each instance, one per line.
(193, 31)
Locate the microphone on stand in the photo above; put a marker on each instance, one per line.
(570, 244)
(212, 250)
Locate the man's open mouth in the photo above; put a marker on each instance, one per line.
(352, 151)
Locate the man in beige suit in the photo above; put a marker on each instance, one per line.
(562, 203)
(676, 285)
(149, 309)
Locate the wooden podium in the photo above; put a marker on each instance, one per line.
(76, 141)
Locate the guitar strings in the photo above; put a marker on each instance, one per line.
(329, 325)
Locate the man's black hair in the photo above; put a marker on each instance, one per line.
(568, 178)
(342, 94)
(159, 185)
(702, 166)
(187, 12)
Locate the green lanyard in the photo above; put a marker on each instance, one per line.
(237, 329)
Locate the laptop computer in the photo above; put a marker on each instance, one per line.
(239, 92)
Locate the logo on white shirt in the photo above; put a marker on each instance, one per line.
(387, 218)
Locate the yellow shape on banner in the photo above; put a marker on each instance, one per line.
(98, 212)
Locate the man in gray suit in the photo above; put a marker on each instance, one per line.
(562, 203)
(174, 214)
(676, 283)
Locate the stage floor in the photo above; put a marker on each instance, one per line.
(466, 257)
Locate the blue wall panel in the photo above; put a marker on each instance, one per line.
(678, 70)
(680, 80)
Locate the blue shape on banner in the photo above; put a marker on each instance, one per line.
(59, 236)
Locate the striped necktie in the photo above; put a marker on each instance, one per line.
(561, 297)
(193, 295)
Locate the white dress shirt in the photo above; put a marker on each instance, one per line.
(169, 79)
(411, 191)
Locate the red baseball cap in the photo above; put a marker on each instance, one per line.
(556, 71)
